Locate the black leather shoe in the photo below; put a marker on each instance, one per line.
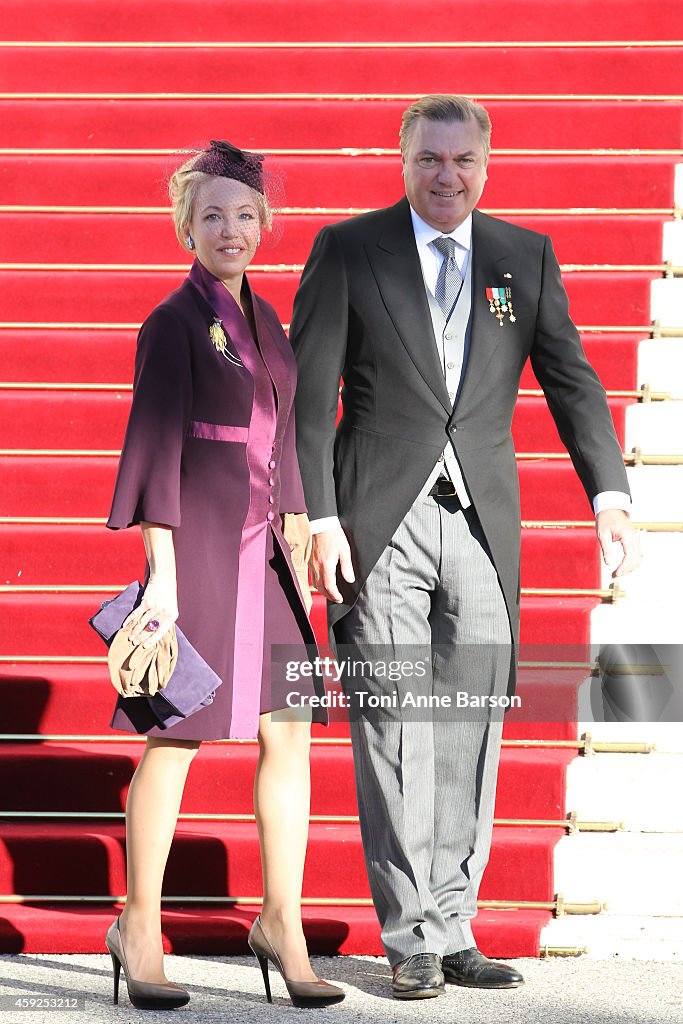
(471, 968)
(418, 977)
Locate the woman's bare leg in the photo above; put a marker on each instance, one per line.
(151, 815)
(282, 800)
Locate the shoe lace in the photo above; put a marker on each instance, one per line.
(422, 959)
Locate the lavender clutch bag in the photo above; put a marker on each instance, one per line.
(193, 683)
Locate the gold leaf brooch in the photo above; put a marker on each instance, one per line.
(217, 335)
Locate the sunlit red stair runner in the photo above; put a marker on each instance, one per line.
(70, 856)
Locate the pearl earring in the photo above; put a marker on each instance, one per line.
(258, 240)
(190, 242)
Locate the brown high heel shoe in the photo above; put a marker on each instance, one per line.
(144, 995)
(302, 993)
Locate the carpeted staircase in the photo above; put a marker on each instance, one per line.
(96, 100)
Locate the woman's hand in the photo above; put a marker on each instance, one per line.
(159, 605)
(297, 533)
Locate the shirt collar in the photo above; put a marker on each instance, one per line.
(425, 233)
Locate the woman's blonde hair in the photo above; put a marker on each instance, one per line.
(182, 189)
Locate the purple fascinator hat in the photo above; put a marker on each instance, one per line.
(227, 161)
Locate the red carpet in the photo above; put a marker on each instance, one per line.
(76, 699)
(587, 239)
(90, 356)
(90, 420)
(89, 859)
(353, 20)
(488, 70)
(65, 630)
(604, 207)
(35, 485)
(302, 124)
(88, 555)
(519, 182)
(125, 296)
(69, 776)
(223, 931)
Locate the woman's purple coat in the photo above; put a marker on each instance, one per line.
(210, 451)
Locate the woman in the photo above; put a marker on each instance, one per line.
(208, 463)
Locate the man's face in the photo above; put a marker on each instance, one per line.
(444, 170)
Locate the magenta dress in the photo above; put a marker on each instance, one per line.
(210, 451)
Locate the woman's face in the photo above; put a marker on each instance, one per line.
(225, 227)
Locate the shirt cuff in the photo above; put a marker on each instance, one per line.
(611, 499)
(327, 523)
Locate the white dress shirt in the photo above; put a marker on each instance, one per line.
(430, 258)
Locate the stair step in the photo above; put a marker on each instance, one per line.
(107, 357)
(658, 425)
(66, 356)
(92, 420)
(57, 624)
(352, 19)
(632, 790)
(34, 485)
(534, 430)
(74, 237)
(482, 71)
(609, 862)
(222, 859)
(614, 357)
(514, 182)
(548, 490)
(94, 776)
(222, 931)
(72, 699)
(314, 123)
(624, 937)
(100, 296)
(37, 554)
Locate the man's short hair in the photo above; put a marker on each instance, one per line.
(446, 108)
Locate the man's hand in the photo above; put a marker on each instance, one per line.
(614, 525)
(330, 548)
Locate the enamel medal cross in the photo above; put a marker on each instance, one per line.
(500, 303)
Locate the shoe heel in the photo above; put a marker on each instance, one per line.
(116, 964)
(263, 964)
(301, 993)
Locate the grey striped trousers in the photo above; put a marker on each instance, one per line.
(426, 781)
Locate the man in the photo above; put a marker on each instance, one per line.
(428, 310)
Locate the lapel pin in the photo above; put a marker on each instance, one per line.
(508, 276)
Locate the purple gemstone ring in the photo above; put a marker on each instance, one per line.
(153, 625)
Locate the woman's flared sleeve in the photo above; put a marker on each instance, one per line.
(148, 480)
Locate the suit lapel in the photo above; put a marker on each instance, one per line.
(491, 261)
(396, 266)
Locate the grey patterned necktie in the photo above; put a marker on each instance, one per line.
(449, 281)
